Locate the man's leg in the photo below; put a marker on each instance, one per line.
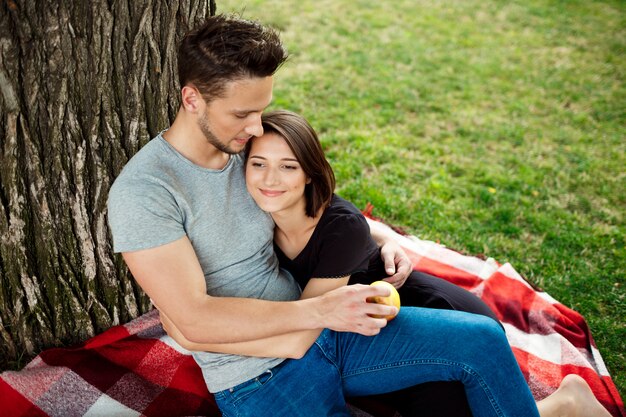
(452, 346)
(306, 387)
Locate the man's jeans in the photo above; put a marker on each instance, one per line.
(419, 345)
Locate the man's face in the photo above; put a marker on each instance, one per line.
(230, 121)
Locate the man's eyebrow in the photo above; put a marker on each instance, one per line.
(242, 111)
(248, 110)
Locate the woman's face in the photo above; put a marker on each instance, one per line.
(274, 176)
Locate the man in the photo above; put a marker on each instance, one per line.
(197, 243)
(180, 214)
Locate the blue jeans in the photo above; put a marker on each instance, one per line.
(451, 346)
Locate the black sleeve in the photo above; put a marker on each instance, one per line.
(343, 247)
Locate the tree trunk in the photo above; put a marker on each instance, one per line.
(83, 85)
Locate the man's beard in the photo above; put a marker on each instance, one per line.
(203, 122)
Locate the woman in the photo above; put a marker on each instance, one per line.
(325, 238)
(324, 242)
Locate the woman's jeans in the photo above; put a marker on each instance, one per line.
(451, 345)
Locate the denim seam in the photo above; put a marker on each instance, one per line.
(259, 385)
(463, 366)
(328, 357)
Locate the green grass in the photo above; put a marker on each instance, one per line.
(495, 127)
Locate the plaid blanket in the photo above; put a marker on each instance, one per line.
(136, 370)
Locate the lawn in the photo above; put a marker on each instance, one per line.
(496, 128)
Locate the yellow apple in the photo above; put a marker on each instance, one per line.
(393, 299)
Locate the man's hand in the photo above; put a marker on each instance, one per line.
(397, 263)
(346, 309)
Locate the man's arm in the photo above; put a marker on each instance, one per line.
(397, 263)
(289, 345)
(172, 277)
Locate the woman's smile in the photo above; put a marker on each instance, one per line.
(274, 177)
(271, 193)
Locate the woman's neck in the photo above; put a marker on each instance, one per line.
(294, 229)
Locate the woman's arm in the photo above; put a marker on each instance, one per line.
(397, 264)
(290, 345)
(319, 286)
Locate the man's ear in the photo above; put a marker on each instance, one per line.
(192, 100)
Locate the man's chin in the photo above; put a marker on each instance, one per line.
(231, 150)
(235, 151)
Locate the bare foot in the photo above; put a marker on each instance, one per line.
(574, 398)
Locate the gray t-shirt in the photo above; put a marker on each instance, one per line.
(160, 196)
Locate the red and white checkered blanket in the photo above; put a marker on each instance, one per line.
(134, 370)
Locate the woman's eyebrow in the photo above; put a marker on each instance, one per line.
(282, 159)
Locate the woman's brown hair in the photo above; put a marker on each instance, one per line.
(306, 147)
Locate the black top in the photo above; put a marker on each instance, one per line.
(341, 245)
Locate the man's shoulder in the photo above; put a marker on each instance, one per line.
(144, 158)
(154, 163)
(141, 172)
(142, 207)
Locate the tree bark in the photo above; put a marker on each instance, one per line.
(83, 85)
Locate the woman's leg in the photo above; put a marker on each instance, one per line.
(430, 399)
(424, 290)
(451, 346)
(442, 398)
(574, 398)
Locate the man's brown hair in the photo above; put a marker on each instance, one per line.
(227, 48)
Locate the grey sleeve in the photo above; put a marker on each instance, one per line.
(143, 216)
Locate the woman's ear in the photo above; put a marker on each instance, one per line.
(308, 180)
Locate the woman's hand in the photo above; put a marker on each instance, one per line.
(397, 263)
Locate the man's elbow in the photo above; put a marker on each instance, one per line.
(186, 344)
(190, 335)
(201, 333)
(192, 331)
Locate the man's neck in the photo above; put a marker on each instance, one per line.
(185, 136)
